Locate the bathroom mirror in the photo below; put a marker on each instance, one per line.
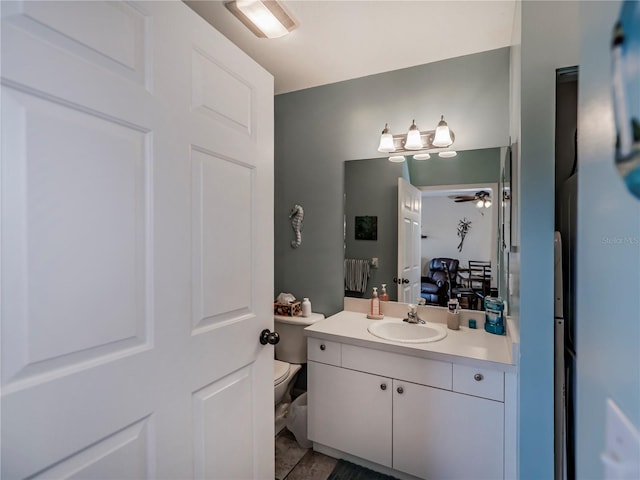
(371, 189)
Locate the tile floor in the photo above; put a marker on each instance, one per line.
(296, 463)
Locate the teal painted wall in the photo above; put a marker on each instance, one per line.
(608, 252)
(317, 129)
(549, 41)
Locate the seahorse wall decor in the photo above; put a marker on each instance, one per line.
(296, 216)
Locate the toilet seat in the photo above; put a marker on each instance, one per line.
(280, 371)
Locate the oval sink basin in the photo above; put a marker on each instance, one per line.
(407, 332)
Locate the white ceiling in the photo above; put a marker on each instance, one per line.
(338, 40)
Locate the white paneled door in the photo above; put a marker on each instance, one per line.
(409, 228)
(137, 251)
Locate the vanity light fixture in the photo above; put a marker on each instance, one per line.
(418, 141)
(413, 141)
(386, 141)
(443, 134)
(265, 18)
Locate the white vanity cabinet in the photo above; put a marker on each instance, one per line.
(428, 418)
(351, 411)
(439, 434)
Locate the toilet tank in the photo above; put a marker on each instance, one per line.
(292, 346)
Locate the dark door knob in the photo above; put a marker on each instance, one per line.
(267, 336)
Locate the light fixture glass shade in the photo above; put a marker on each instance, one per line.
(266, 19)
(448, 154)
(487, 203)
(396, 158)
(443, 135)
(413, 138)
(421, 156)
(386, 141)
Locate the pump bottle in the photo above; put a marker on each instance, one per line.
(374, 309)
(384, 296)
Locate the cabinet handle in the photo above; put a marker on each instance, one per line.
(478, 377)
(400, 390)
(383, 386)
(323, 347)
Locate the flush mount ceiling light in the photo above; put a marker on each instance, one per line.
(415, 140)
(265, 18)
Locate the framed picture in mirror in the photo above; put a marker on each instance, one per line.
(366, 228)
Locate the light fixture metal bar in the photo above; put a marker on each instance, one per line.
(426, 137)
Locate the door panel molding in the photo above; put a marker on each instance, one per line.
(55, 314)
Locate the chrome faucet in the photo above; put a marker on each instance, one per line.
(412, 315)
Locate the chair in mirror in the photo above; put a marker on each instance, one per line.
(439, 279)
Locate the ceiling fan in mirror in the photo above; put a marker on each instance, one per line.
(481, 199)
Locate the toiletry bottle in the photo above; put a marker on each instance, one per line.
(306, 307)
(375, 303)
(494, 315)
(453, 305)
(384, 296)
(453, 315)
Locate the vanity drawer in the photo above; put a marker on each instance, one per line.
(403, 367)
(324, 351)
(480, 382)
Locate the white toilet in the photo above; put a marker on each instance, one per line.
(290, 353)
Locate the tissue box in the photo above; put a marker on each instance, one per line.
(287, 309)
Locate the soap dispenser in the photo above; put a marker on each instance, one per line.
(374, 310)
(384, 296)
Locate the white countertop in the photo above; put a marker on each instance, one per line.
(464, 346)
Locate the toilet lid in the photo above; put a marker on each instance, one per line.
(280, 371)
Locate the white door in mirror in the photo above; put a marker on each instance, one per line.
(409, 228)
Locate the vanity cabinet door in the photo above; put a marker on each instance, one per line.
(350, 411)
(446, 435)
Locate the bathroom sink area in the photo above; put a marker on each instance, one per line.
(407, 332)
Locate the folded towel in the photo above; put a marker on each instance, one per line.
(356, 273)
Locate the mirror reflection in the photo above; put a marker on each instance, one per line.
(465, 218)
